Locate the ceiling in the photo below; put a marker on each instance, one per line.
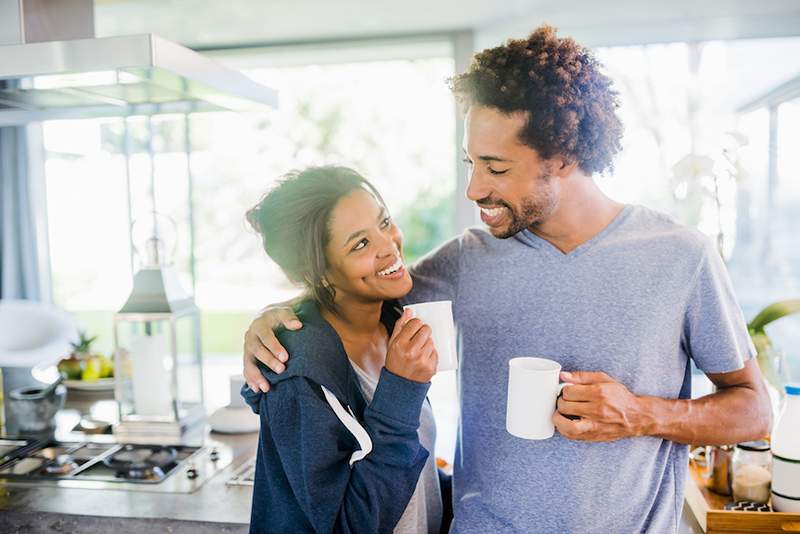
(213, 23)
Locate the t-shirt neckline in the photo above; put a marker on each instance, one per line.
(544, 244)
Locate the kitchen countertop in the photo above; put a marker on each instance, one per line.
(214, 507)
(225, 507)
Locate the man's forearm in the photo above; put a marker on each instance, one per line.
(731, 415)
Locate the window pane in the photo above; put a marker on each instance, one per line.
(691, 151)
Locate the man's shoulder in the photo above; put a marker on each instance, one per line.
(656, 229)
(477, 240)
(472, 242)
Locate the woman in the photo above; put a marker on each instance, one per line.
(346, 432)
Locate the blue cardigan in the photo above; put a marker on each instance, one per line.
(304, 480)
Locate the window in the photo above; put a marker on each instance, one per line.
(389, 117)
(695, 150)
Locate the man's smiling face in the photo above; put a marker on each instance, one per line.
(514, 187)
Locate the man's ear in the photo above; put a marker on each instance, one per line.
(563, 166)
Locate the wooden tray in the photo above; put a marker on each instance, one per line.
(709, 509)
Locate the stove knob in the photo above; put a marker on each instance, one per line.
(191, 472)
(214, 455)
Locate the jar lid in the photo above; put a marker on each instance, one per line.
(758, 446)
(793, 388)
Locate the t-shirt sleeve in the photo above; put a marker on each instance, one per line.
(715, 332)
(436, 274)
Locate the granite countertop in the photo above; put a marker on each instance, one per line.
(215, 506)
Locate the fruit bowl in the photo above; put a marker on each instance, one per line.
(101, 384)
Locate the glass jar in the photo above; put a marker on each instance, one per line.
(751, 466)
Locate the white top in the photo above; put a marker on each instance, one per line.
(424, 511)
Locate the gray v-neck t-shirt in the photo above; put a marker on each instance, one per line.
(639, 301)
(423, 515)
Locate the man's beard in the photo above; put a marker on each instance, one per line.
(533, 209)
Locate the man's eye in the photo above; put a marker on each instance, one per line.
(386, 222)
(361, 244)
(496, 172)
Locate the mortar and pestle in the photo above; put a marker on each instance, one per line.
(34, 408)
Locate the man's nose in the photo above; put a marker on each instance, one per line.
(476, 189)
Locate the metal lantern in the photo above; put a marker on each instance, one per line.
(158, 361)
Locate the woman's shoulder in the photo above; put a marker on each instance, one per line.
(314, 337)
(315, 353)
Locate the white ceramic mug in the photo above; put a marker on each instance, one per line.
(439, 316)
(532, 392)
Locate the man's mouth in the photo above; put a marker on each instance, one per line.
(493, 216)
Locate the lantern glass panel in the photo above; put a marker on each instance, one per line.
(145, 363)
(189, 375)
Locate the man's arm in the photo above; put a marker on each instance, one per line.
(260, 343)
(739, 411)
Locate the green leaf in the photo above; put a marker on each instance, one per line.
(771, 313)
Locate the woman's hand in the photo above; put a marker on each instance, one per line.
(411, 353)
(261, 344)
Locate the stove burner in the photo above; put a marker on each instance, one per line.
(62, 465)
(141, 462)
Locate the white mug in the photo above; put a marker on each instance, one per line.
(439, 316)
(533, 389)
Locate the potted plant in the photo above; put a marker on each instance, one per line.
(770, 360)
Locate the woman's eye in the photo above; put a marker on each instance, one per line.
(361, 244)
(386, 222)
(496, 172)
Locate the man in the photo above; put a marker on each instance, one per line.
(621, 296)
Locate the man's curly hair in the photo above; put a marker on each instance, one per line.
(571, 105)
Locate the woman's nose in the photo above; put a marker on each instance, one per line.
(388, 247)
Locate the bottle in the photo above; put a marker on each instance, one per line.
(786, 454)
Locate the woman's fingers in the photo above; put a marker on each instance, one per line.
(429, 354)
(420, 337)
(398, 326)
(408, 330)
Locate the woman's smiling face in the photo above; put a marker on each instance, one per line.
(365, 251)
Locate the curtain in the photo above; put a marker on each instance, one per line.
(19, 272)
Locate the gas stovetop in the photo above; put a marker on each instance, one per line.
(138, 467)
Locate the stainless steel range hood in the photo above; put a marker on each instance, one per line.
(50, 74)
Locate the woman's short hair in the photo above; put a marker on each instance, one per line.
(293, 220)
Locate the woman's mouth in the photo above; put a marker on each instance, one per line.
(393, 272)
(493, 216)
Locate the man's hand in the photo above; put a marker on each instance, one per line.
(607, 411)
(261, 344)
